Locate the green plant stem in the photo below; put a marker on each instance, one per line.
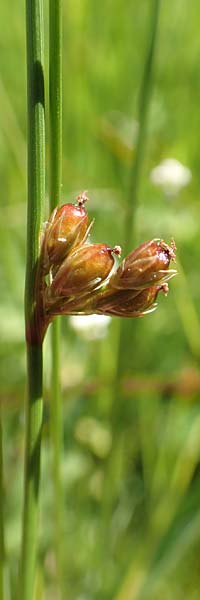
(55, 174)
(32, 471)
(36, 194)
(55, 100)
(144, 100)
(2, 544)
(125, 329)
(143, 107)
(57, 437)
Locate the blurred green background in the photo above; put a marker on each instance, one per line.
(131, 525)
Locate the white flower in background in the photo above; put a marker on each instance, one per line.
(171, 175)
(90, 327)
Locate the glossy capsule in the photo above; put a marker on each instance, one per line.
(66, 229)
(130, 303)
(84, 270)
(146, 265)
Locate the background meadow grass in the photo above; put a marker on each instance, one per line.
(148, 545)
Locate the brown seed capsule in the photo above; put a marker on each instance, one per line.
(130, 303)
(66, 229)
(84, 270)
(146, 265)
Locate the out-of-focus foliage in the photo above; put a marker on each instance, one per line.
(146, 545)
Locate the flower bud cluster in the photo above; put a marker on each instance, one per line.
(82, 278)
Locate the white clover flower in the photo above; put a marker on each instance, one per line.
(171, 175)
(90, 327)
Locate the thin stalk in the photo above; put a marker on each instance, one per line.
(2, 544)
(32, 472)
(56, 438)
(36, 194)
(125, 328)
(143, 107)
(125, 334)
(55, 175)
(55, 100)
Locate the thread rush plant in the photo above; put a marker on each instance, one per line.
(65, 275)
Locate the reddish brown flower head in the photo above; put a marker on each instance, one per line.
(130, 303)
(146, 265)
(84, 270)
(66, 229)
(74, 277)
